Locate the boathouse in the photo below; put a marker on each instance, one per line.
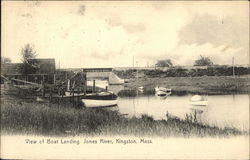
(45, 70)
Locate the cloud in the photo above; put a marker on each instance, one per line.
(27, 15)
(115, 21)
(100, 34)
(216, 30)
(133, 28)
(218, 37)
(186, 54)
(81, 10)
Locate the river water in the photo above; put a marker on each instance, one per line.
(222, 110)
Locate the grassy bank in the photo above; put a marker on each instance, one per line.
(203, 85)
(29, 117)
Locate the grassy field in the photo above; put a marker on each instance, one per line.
(19, 116)
(200, 85)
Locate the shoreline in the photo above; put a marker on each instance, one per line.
(26, 117)
(210, 85)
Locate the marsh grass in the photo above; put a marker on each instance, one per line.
(211, 85)
(29, 117)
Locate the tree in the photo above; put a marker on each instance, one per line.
(164, 63)
(203, 61)
(28, 63)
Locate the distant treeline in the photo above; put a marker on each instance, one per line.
(181, 72)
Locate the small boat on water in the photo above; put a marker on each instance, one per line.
(162, 91)
(101, 99)
(141, 89)
(198, 100)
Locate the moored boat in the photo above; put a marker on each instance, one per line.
(102, 99)
(198, 100)
(162, 89)
(162, 93)
(141, 89)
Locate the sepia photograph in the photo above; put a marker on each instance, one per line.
(125, 80)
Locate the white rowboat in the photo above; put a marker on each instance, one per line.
(92, 103)
(102, 99)
(162, 89)
(198, 100)
(162, 93)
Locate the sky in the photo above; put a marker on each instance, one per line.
(114, 33)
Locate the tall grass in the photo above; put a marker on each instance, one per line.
(51, 119)
(19, 117)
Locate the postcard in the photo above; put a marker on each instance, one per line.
(125, 80)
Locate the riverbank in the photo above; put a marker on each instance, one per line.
(210, 85)
(20, 116)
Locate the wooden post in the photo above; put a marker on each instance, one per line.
(25, 80)
(68, 85)
(93, 90)
(43, 88)
(73, 94)
(50, 94)
(43, 85)
(62, 91)
(59, 91)
(54, 78)
(84, 83)
(137, 70)
(233, 67)
(73, 85)
(78, 97)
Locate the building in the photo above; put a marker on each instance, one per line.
(45, 70)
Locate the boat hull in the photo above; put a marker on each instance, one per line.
(157, 89)
(161, 93)
(102, 99)
(93, 103)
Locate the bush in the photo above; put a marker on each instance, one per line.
(210, 71)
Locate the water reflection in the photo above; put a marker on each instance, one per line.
(161, 97)
(222, 110)
(116, 88)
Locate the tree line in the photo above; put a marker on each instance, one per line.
(182, 72)
(201, 61)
